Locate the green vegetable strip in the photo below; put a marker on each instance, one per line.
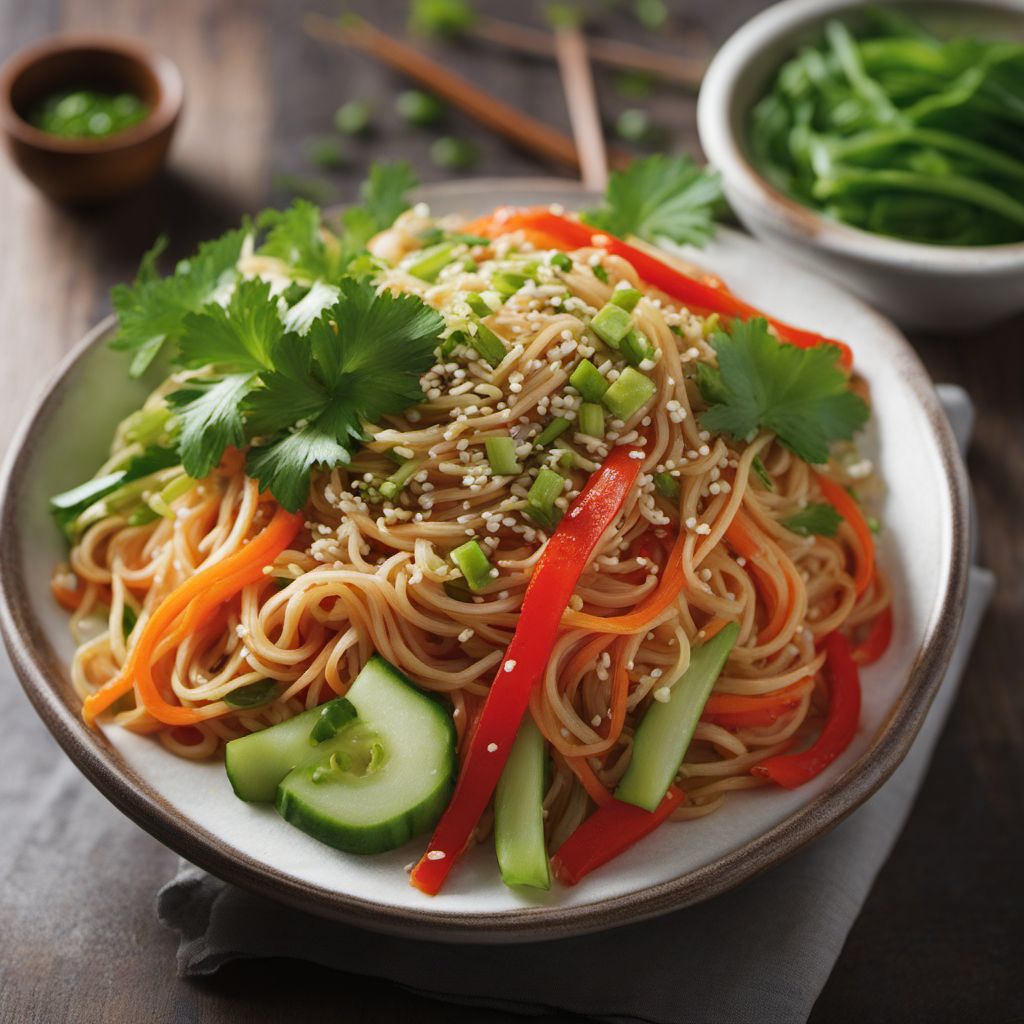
(474, 565)
(488, 345)
(629, 393)
(391, 487)
(626, 298)
(611, 324)
(540, 499)
(588, 381)
(667, 485)
(558, 426)
(591, 419)
(432, 261)
(478, 304)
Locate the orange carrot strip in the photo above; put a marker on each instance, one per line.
(207, 588)
(841, 501)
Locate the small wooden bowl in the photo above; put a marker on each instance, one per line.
(91, 170)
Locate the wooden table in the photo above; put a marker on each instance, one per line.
(942, 935)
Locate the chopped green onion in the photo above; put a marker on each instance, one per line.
(454, 154)
(478, 304)
(558, 426)
(588, 380)
(488, 345)
(418, 107)
(177, 488)
(391, 487)
(627, 298)
(253, 695)
(711, 325)
(128, 619)
(667, 485)
(142, 515)
(629, 393)
(600, 273)
(474, 564)
(611, 324)
(506, 282)
(566, 460)
(501, 455)
(458, 591)
(353, 118)
(146, 426)
(432, 261)
(634, 348)
(762, 474)
(562, 261)
(635, 126)
(327, 153)
(591, 419)
(540, 499)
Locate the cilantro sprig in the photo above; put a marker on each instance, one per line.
(817, 517)
(660, 197)
(760, 383)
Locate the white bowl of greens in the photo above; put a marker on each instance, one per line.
(867, 143)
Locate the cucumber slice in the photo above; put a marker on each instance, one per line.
(665, 731)
(258, 762)
(383, 779)
(519, 811)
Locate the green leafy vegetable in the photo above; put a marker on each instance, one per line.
(815, 518)
(440, 17)
(153, 309)
(762, 474)
(360, 361)
(660, 197)
(762, 384)
(384, 192)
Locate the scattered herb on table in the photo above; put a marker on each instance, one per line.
(454, 154)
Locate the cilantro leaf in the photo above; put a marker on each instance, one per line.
(760, 383)
(360, 361)
(153, 309)
(660, 197)
(238, 337)
(817, 518)
(297, 237)
(762, 473)
(209, 415)
(383, 193)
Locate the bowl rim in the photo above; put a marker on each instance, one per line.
(91, 752)
(165, 111)
(726, 152)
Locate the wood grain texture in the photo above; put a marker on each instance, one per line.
(942, 936)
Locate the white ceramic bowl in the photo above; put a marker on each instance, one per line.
(190, 806)
(931, 287)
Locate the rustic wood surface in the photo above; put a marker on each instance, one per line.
(942, 935)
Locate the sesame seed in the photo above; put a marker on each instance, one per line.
(510, 665)
(492, 747)
(435, 855)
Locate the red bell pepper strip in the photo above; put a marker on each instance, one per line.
(554, 579)
(838, 497)
(876, 643)
(707, 295)
(609, 831)
(792, 770)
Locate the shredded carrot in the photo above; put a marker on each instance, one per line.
(595, 788)
(734, 710)
(197, 598)
(713, 628)
(841, 501)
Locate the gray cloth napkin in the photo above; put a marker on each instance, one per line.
(762, 952)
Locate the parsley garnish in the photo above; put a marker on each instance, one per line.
(360, 361)
(153, 309)
(815, 518)
(760, 383)
(660, 197)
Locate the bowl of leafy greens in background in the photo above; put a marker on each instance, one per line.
(885, 145)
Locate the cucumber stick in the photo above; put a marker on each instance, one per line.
(665, 731)
(258, 762)
(519, 811)
(382, 779)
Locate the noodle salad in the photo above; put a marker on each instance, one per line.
(512, 526)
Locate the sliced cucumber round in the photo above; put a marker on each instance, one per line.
(382, 779)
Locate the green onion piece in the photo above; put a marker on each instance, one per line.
(458, 591)
(506, 282)
(627, 298)
(562, 261)
(591, 419)
(540, 499)
(501, 455)
(146, 426)
(611, 324)
(333, 717)
(558, 426)
(353, 118)
(667, 485)
(418, 107)
(488, 345)
(454, 154)
(280, 582)
(629, 393)
(253, 695)
(142, 516)
(128, 619)
(474, 564)
(177, 488)
(634, 348)
(762, 474)
(600, 273)
(391, 487)
(432, 261)
(588, 380)
(566, 460)
(478, 304)
(711, 325)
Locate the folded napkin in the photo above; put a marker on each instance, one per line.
(762, 951)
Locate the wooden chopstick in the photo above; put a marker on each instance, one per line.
(685, 71)
(502, 118)
(578, 84)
